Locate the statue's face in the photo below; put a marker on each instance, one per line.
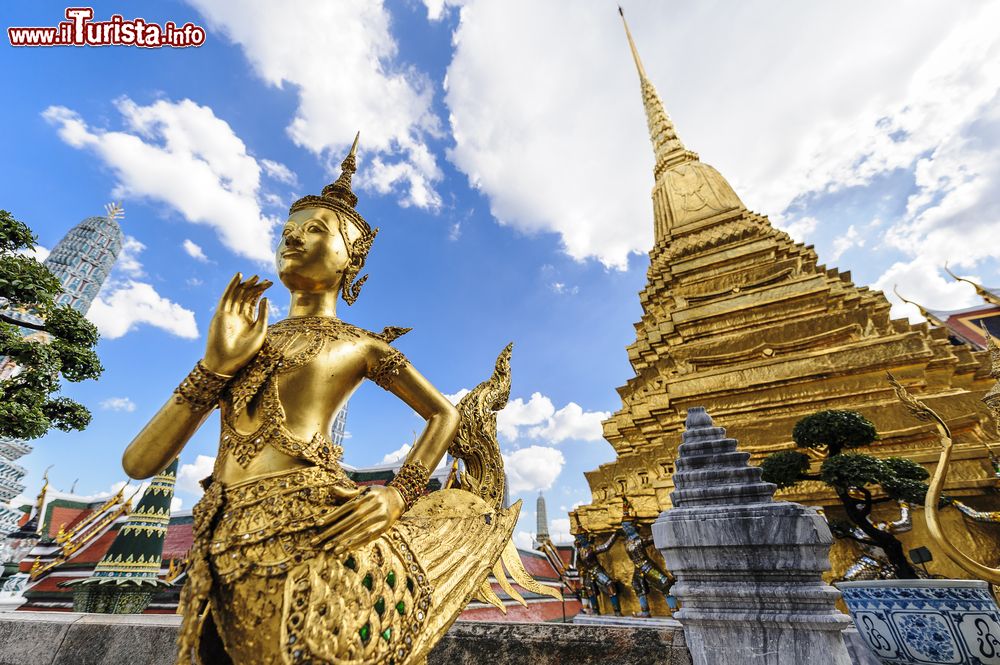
(312, 254)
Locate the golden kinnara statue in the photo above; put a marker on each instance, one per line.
(292, 562)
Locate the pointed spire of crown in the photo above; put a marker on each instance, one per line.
(341, 189)
(981, 291)
(667, 146)
(338, 195)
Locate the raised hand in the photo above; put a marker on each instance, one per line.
(362, 519)
(238, 327)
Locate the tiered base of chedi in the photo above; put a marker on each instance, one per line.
(742, 319)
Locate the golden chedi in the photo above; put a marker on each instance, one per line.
(292, 562)
(740, 318)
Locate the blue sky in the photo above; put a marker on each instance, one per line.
(504, 156)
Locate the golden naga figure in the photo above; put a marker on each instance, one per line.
(292, 562)
(932, 503)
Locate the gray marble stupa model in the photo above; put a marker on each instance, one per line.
(748, 568)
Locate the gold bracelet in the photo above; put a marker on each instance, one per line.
(202, 388)
(388, 368)
(411, 482)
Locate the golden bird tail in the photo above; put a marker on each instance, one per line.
(477, 446)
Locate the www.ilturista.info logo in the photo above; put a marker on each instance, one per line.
(81, 30)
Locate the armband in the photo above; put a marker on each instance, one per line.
(388, 368)
(202, 388)
(411, 482)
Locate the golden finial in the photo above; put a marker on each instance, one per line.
(924, 312)
(981, 290)
(631, 44)
(667, 146)
(114, 211)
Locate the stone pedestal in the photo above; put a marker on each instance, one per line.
(748, 568)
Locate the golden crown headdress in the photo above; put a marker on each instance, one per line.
(339, 197)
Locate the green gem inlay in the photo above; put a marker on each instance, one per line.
(386, 634)
(401, 607)
(409, 584)
(367, 582)
(351, 563)
(390, 579)
(365, 632)
(380, 606)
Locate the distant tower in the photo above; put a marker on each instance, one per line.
(339, 426)
(129, 574)
(542, 517)
(82, 261)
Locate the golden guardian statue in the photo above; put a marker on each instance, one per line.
(292, 562)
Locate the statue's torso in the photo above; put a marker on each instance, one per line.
(288, 396)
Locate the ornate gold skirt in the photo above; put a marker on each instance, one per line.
(273, 599)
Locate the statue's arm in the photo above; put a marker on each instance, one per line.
(163, 437)
(374, 511)
(394, 373)
(235, 336)
(607, 544)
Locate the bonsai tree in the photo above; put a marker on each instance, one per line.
(29, 404)
(853, 476)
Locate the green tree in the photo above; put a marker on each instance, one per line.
(853, 476)
(29, 402)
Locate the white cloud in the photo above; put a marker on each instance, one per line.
(455, 398)
(920, 282)
(522, 540)
(279, 172)
(553, 133)
(128, 259)
(561, 289)
(518, 413)
(118, 404)
(194, 251)
(176, 503)
(571, 422)
(39, 253)
(397, 455)
(122, 307)
(189, 475)
(800, 229)
(559, 530)
(347, 78)
(538, 419)
(843, 243)
(181, 154)
(532, 468)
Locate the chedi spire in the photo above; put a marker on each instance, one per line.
(667, 146)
